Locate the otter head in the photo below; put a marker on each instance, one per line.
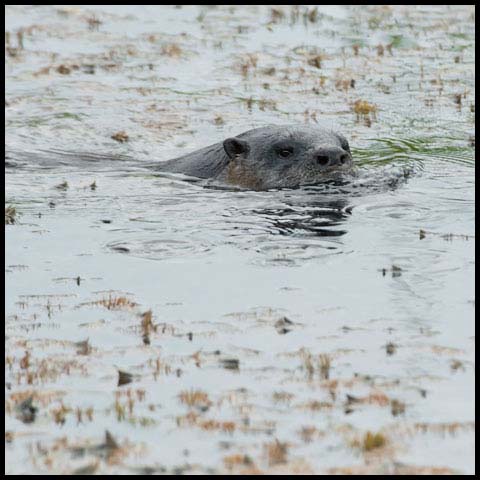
(285, 156)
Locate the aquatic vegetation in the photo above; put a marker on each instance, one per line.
(196, 398)
(62, 186)
(124, 378)
(308, 433)
(248, 64)
(316, 61)
(83, 347)
(390, 348)
(397, 407)
(171, 50)
(283, 325)
(26, 411)
(121, 137)
(370, 441)
(445, 236)
(194, 419)
(277, 452)
(63, 69)
(230, 363)
(283, 397)
(324, 366)
(237, 460)
(365, 110)
(316, 405)
(147, 326)
(10, 215)
(342, 318)
(112, 302)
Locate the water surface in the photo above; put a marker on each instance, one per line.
(284, 325)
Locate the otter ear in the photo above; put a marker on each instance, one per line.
(235, 146)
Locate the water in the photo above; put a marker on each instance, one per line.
(377, 277)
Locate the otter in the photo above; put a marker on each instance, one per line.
(269, 157)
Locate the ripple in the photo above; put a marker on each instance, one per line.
(158, 248)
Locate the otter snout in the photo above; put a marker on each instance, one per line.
(332, 157)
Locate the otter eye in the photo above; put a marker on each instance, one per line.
(285, 152)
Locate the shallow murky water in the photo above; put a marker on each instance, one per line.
(253, 331)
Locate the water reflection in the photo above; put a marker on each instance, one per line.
(317, 217)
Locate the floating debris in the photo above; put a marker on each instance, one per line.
(345, 84)
(25, 361)
(370, 441)
(237, 460)
(456, 365)
(312, 15)
(60, 413)
(83, 347)
(119, 248)
(316, 61)
(194, 419)
(63, 70)
(397, 407)
(147, 326)
(112, 303)
(375, 398)
(218, 120)
(458, 99)
(324, 363)
(89, 469)
(196, 398)
(390, 348)
(307, 433)
(26, 411)
(105, 449)
(121, 137)
(230, 363)
(124, 378)
(62, 186)
(282, 397)
(395, 270)
(93, 23)
(147, 470)
(277, 15)
(277, 452)
(365, 110)
(308, 364)
(352, 399)
(317, 405)
(442, 428)
(286, 390)
(10, 215)
(110, 442)
(283, 325)
(89, 69)
(171, 50)
(445, 236)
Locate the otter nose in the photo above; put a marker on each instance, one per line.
(331, 156)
